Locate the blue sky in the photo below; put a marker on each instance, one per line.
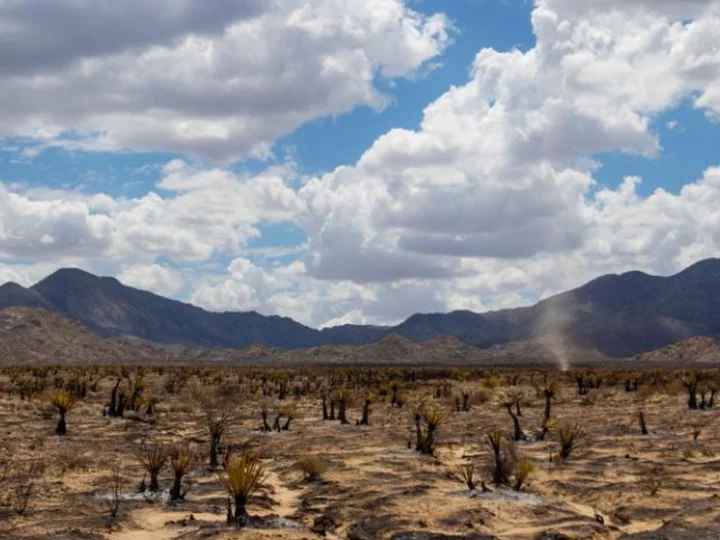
(87, 167)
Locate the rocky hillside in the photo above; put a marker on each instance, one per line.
(38, 336)
(618, 315)
(697, 350)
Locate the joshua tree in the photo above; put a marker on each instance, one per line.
(394, 388)
(548, 391)
(152, 458)
(289, 413)
(466, 395)
(365, 420)
(343, 403)
(182, 459)
(691, 382)
(331, 415)
(216, 425)
(264, 411)
(64, 402)
(324, 399)
(516, 397)
(518, 434)
(117, 400)
(244, 476)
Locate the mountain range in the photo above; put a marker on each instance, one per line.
(616, 315)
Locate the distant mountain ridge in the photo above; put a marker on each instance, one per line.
(617, 315)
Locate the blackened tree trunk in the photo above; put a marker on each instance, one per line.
(154, 484)
(176, 493)
(241, 518)
(365, 420)
(61, 428)
(266, 426)
(342, 412)
(418, 433)
(548, 410)
(518, 432)
(214, 447)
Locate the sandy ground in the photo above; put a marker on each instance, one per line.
(374, 486)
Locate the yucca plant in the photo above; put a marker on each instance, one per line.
(244, 476)
(547, 425)
(466, 474)
(500, 470)
(432, 417)
(216, 425)
(64, 402)
(524, 469)
(182, 460)
(569, 436)
(152, 458)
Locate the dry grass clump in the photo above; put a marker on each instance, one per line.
(651, 480)
(312, 467)
(115, 486)
(18, 480)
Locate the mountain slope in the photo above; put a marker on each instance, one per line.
(616, 315)
(12, 295)
(113, 309)
(619, 315)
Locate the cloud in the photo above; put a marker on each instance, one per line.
(501, 167)
(221, 82)
(152, 277)
(202, 212)
(49, 35)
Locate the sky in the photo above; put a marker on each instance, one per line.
(339, 162)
